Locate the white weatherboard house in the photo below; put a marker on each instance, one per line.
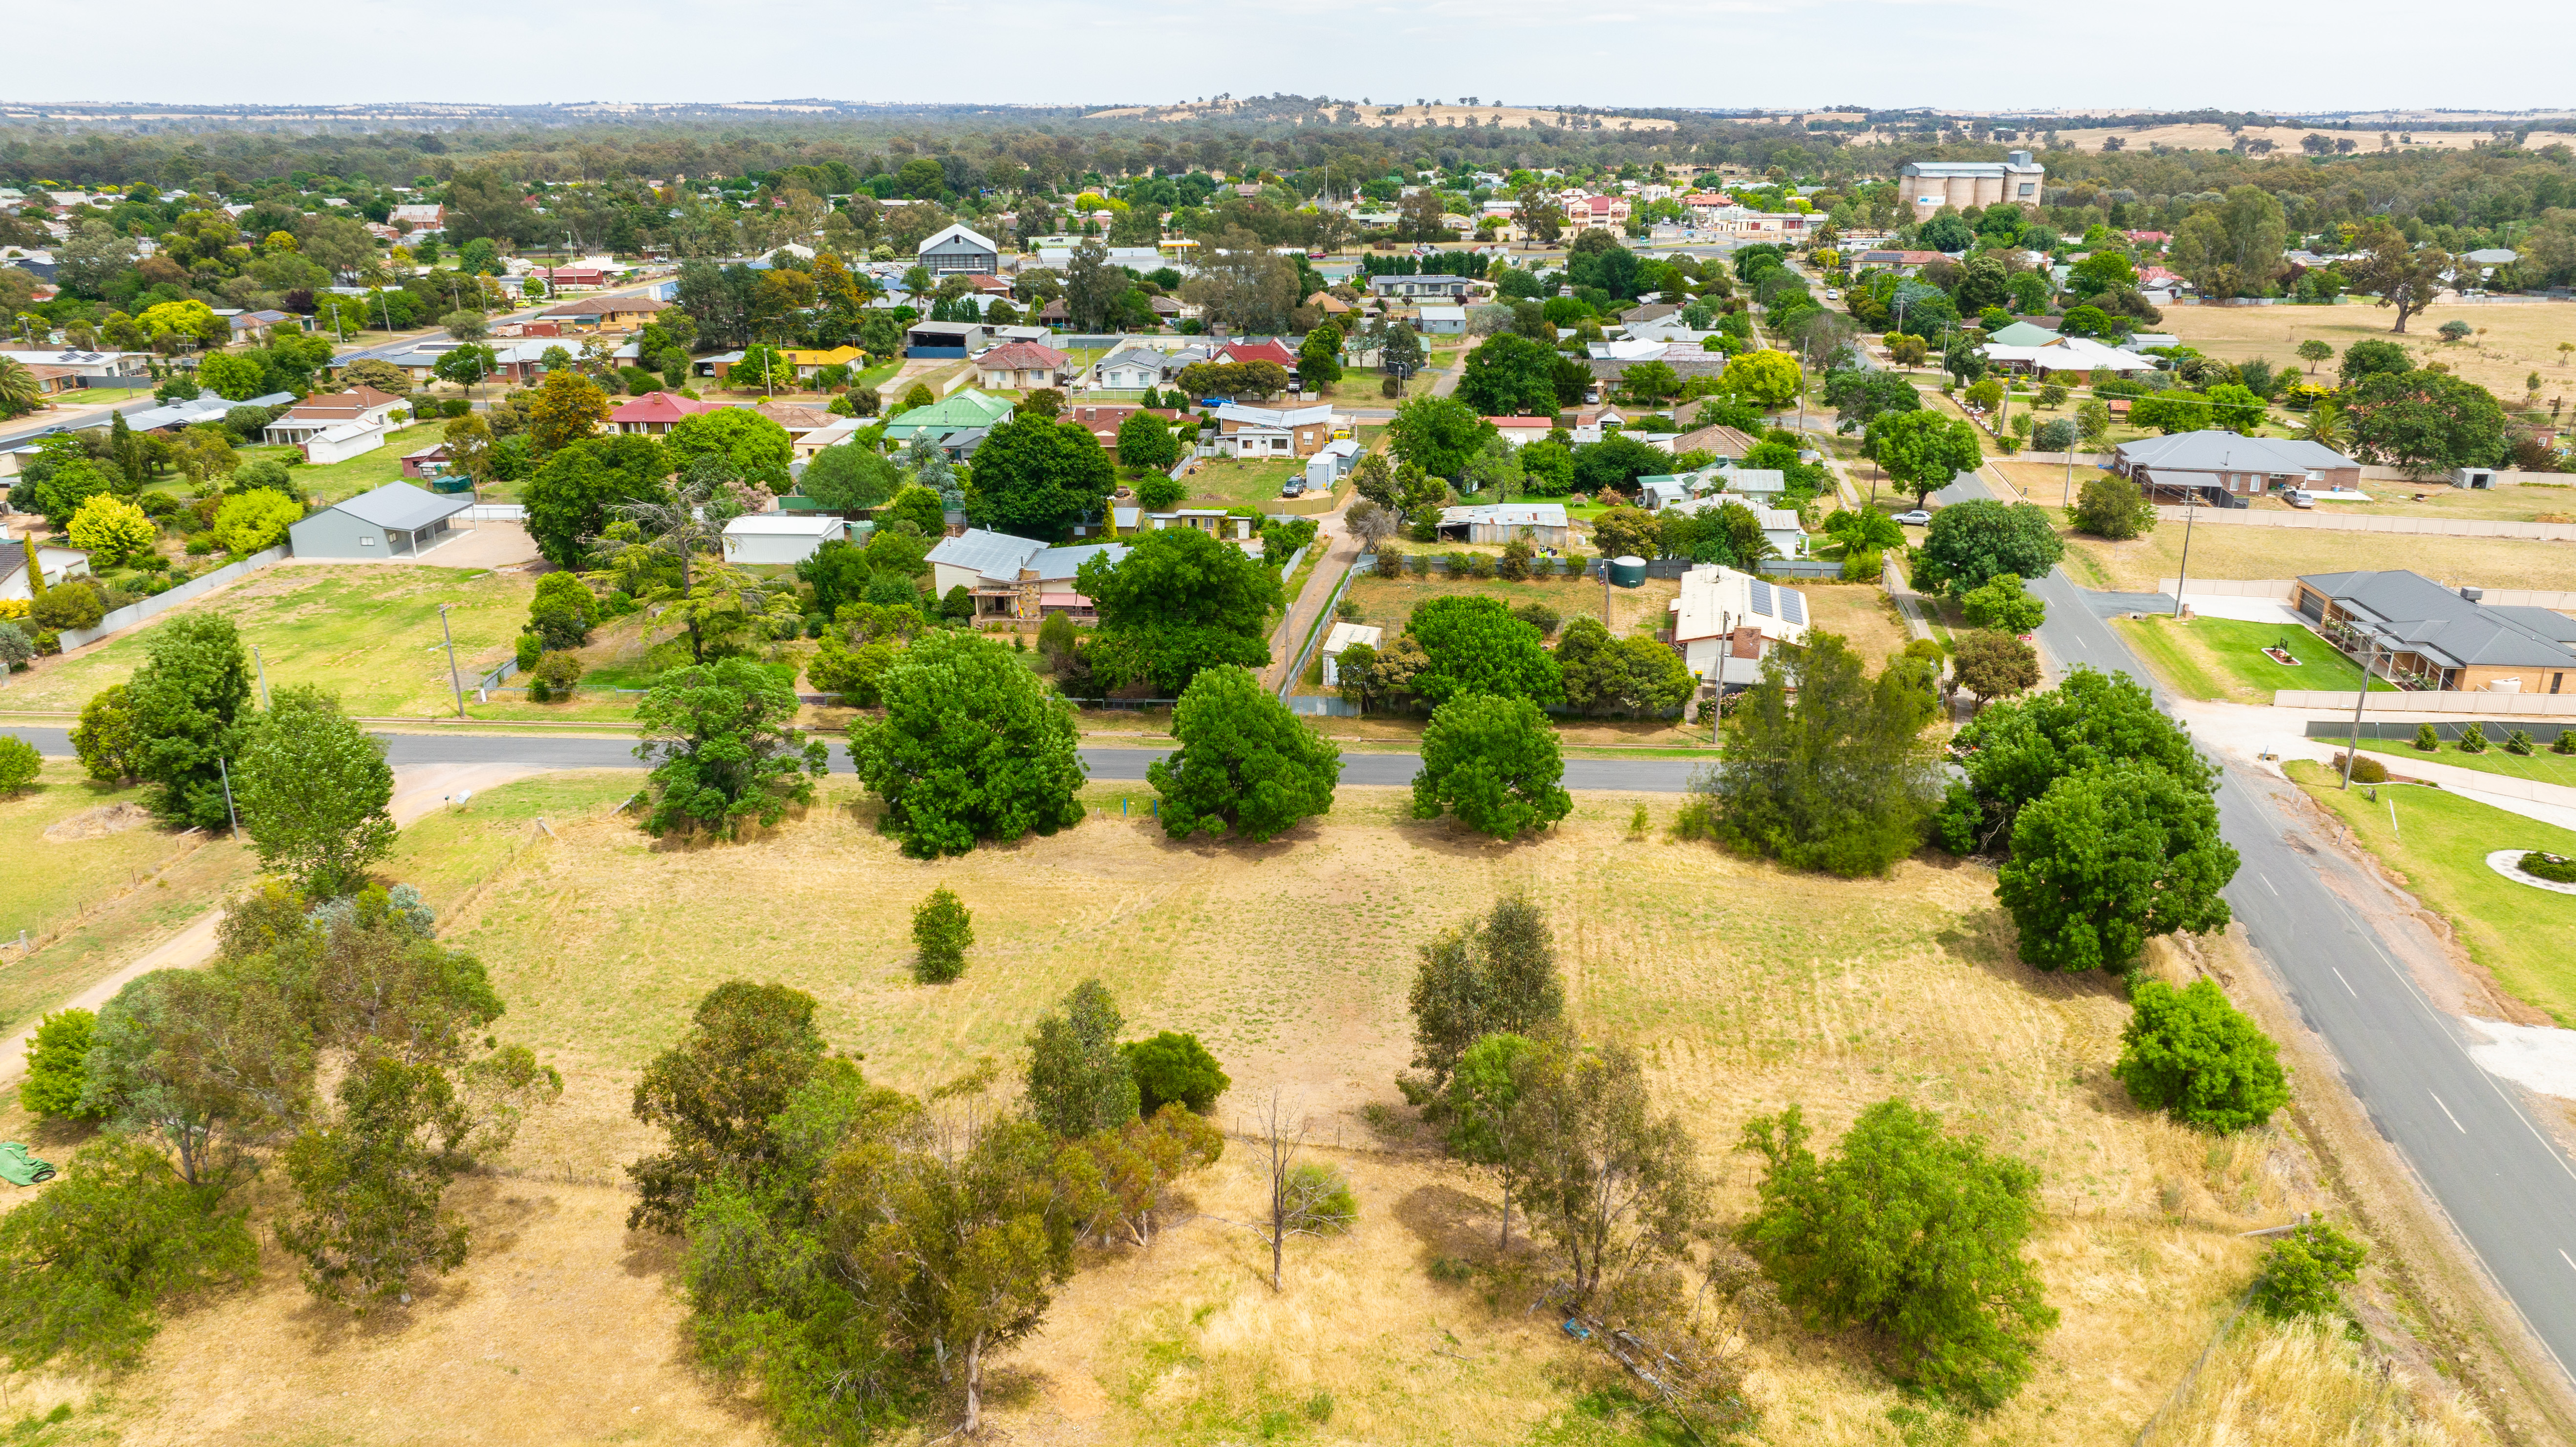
(777, 537)
(1726, 622)
(59, 564)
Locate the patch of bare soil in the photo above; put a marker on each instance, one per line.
(98, 823)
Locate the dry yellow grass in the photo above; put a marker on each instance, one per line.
(2515, 338)
(2239, 551)
(2303, 1385)
(2210, 136)
(1864, 616)
(1746, 987)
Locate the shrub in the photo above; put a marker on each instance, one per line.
(2518, 742)
(2302, 1270)
(2365, 769)
(530, 649)
(1864, 567)
(1390, 559)
(2555, 868)
(17, 650)
(67, 606)
(2473, 739)
(2565, 743)
(89, 1261)
(1174, 1068)
(250, 521)
(563, 611)
(943, 929)
(2197, 1058)
(1538, 616)
(58, 1067)
(2426, 739)
(553, 678)
(19, 763)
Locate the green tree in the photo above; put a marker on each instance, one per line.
(187, 702)
(1244, 762)
(1602, 674)
(850, 478)
(567, 408)
(1509, 376)
(313, 787)
(1174, 1069)
(1994, 665)
(1970, 542)
(1824, 767)
(2109, 858)
(972, 746)
(2302, 1269)
(1180, 601)
(2372, 357)
(755, 448)
(1485, 976)
(58, 1066)
(563, 611)
(2401, 274)
(2426, 421)
(722, 741)
(1037, 477)
(105, 737)
(2313, 351)
(207, 1060)
(112, 530)
(2014, 751)
(718, 1096)
(253, 521)
(2196, 1057)
(1079, 1081)
(1922, 450)
(90, 1259)
(573, 497)
(1614, 1185)
(1437, 434)
(1481, 1105)
(2233, 249)
(1476, 646)
(2001, 603)
(370, 1182)
(1145, 441)
(1769, 380)
(1494, 763)
(943, 930)
(1626, 532)
(2112, 506)
(1910, 1232)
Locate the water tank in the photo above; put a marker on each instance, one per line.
(1628, 572)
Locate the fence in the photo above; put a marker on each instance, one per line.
(2283, 588)
(1317, 630)
(2378, 523)
(2449, 733)
(134, 613)
(2498, 705)
(495, 512)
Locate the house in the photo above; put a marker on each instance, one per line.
(1664, 490)
(429, 462)
(566, 278)
(88, 364)
(800, 420)
(655, 413)
(778, 538)
(1131, 369)
(173, 416)
(606, 311)
(53, 381)
(961, 409)
(1024, 365)
(1216, 522)
(396, 520)
(432, 217)
(1904, 263)
(2224, 468)
(58, 563)
(1330, 305)
(1329, 465)
(246, 324)
(1260, 432)
(1591, 424)
(1927, 186)
(1421, 288)
(1729, 445)
(957, 249)
(1266, 349)
(1725, 623)
(363, 405)
(945, 339)
(2081, 355)
(807, 362)
(2022, 334)
(1342, 637)
(1779, 524)
(1542, 524)
(1103, 419)
(1519, 431)
(1755, 482)
(1015, 578)
(2431, 637)
(1442, 321)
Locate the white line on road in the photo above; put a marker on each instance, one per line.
(2446, 1110)
(2267, 883)
(2347, 984)
(2563, 1256)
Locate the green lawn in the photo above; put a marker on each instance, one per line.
(2222, 659)
(1225, 482)
(367, 631)
(2540, 766)
(2439, 844)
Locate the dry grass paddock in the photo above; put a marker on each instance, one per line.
(2239, 550)
(1746, 988)
(2514, 338)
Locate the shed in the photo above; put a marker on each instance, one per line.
(1343, 636)
(778, 537)
(396, 520)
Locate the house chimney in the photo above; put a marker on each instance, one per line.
(2021, 158)
(2473, 594)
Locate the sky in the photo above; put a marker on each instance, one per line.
(1975, 54)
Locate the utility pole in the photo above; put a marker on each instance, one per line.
(264, 704)
(227, 772)
(2368, 663)
(2189, 501)
(455, 680)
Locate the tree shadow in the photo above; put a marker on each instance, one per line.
(1448, 1222)
(1987, 940)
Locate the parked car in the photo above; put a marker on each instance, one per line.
(1832, 295)
(2301, 497)
(1293, 487)
(1918, 518)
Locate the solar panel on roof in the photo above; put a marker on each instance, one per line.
(1762, 599)
(1793, 607)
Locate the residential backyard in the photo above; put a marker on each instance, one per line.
(2222, 659)
(1228, 482)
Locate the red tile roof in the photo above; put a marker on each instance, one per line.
(1022, 357)
(660, 407)
(1269, 350)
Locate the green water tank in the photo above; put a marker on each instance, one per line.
(1628, 572)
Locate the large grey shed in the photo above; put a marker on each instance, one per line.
(396, 520)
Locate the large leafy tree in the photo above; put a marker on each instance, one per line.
(1440, 435)
(2426, 421)
(1614, 464)
(575, 494)
(1244, 763)
(1079, 1081)
(2198, 1058)
(1825, 767)
(1178, 602)
(972, 746)
(2234, 248)
(1493, 762)
(188, 702)
(104, 738)
(1036, 477)
(1858, 398)
(2400, 273)
(1911, 1232)
(1146, 441)
(2112, 506)
(1970, 542)
(722, 741)
(1476, 646)
(1616, 1186)
(717, 1096)
(567, 408)
(1921, 450)
(1630, 675)
(1509, 376)
(850, 478)
(1767, 379)
(91, 1258)
(752, 447)
(2014, 751)
(1495, 974)
(2109, 858)
(369, 1183)
(313, 789)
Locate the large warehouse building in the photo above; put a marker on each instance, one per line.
(1927, 186)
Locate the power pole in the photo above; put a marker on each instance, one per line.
(455, 680)
(256, 662)
(2189, 501)
(2368, 663)
(227, 773)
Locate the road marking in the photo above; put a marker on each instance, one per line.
(2267, 883)
(2446, 1110)
(2563, 1256)
(2347, 984)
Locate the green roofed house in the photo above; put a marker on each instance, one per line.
(2022, 334)
(954, 413)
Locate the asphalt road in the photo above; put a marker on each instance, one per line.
(2507, 1187)
(551, 751)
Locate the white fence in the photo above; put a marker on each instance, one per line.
(2491, 705)
(2282, 589)
(495, 512)
(133, 613)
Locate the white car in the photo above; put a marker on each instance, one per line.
(1915, 519)
(1832, 295)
